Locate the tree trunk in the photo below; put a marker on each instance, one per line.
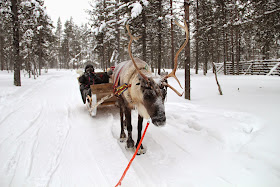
(237, 49)
(227, 47)
(117, 44)
(237, 40)
(103, 52)
(266, 51)
(172, 36)
(217, 46)
(224, 40)
(212, 52)
(17, 64)
(196, 40)
(144, 36)
(159, 35)
(40, 53)
(2, 51)
(187, 54)
(232, 50)
(205, 56)
(152, 54)
(216, 77)
(205, 62)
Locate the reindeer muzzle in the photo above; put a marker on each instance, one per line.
(159, 121)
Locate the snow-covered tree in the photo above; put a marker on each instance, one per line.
(236, 30)
(58, 39)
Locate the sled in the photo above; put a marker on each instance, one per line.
(101, 95)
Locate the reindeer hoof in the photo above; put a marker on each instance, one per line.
(130, 143)
(141, 150)
(122, 137)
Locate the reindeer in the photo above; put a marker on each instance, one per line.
(144, 91)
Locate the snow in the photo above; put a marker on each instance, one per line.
(136, 9)
(47, 137)
(145, 2)
(103, 26)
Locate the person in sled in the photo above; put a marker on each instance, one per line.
(88, 78)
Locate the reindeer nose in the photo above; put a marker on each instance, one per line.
(159, 121)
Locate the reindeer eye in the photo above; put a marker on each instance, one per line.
(138, 83)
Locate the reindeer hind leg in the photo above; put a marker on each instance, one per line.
(122, 135)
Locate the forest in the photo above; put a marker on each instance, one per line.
(220, 32)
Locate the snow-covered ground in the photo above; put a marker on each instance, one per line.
(47, 137)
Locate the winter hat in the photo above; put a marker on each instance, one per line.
(89, 66)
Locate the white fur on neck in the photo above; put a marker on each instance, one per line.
(142, 111)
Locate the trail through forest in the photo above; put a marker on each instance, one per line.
(47, 137)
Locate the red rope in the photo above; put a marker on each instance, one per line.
(124, 173)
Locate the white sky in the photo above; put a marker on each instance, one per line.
(67, 8)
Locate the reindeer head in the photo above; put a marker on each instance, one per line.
(153, 96)
(154, 90)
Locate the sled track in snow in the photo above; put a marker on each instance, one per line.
(32, 122)
(13, 163)
(19, 100)
(158, 155)
(62, 142)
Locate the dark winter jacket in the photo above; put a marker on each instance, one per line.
(88, 79)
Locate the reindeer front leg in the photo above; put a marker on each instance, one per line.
(140, 122)
(140, 126)
(129, 142)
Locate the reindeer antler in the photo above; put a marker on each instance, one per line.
(130, 53)
(169, 86)
(172, 74)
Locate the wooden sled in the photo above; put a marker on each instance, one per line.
(102, 94)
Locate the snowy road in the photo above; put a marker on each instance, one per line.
(47, 138)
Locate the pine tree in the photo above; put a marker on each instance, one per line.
(58, 35)
(17, 63)
(187, 55)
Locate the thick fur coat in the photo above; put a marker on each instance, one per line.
(133, 96)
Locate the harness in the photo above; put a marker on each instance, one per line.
(119, 89)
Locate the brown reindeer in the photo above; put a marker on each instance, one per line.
(144, 92)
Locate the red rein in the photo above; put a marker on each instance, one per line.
(124, 173)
